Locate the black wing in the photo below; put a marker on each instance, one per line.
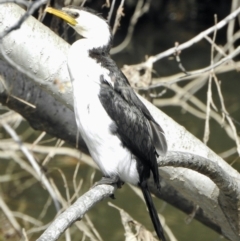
(135, 126)
(123, 87)
(131, 125)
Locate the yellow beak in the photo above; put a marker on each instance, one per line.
(62, 14)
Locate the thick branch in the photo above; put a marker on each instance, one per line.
(49, 115)
(204, 166)
(229, 188)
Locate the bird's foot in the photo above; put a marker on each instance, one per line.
(113, 180)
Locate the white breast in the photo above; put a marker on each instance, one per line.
(94, 123)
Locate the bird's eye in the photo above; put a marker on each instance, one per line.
(75, 15)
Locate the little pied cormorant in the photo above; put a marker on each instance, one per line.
(122, 136)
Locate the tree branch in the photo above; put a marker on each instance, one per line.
(196, 39)
(76, 211)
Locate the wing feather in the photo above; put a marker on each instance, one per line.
(156, 132)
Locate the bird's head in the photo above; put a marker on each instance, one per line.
(85, 22)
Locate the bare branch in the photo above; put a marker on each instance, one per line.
(111, 10)
(140, 9)
(225, 114)
(218, 175)
(32, 6)
(5, 209)
(229, 187)
(230, 29)
(197, 38)
(196, 72)
(209, 92)
(41, 176)
(118, 17)
(76, 211)
(134, 231)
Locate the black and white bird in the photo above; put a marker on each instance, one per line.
(122, 136)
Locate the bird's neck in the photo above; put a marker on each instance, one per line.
(101, 46)
(88, 48)
(83, 57)
(100, 38)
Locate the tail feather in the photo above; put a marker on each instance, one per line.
(152, 211)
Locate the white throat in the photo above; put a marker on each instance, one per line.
(94, 29)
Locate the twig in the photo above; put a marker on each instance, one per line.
(37, 229)
(51, 154)
(83, 3)
(65, 184)
(118, 17)
(41, 175)
(196, 39)
(177, 100)
(20, 2)
(225, 114)
(196, 72)
(140, 9)
(220, 50)
(111, 10)
(88, 234)
(75, 179)
(208, 110)
(169, 79)
(209, 91)
(192, 215)
(32, 7)
(230, 29)
(10, 217)
(92, 227)
(228, 153)
(106, 4)
(13, 96)
(45, 208)
(25, 234)
(177, 57)
(134, 231)
(10, 145)
(225, 49)
(27, 218)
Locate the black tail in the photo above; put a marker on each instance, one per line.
(152, 211)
